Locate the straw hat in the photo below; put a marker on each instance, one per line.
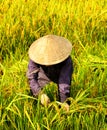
(50, 50)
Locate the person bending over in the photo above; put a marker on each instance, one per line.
(50, 60)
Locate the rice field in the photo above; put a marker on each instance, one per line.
(84, 23)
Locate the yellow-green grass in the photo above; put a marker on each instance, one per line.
(84, 23)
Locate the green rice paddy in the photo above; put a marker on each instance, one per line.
(84, 23)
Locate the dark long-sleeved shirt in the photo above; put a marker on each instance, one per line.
(40, 75)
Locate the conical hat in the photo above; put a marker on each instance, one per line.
(50, 50)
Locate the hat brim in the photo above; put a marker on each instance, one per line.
(50, 50)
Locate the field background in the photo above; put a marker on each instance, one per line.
(84, 23)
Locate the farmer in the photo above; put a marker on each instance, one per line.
(50, 61)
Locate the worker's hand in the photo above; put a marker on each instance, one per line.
(44, 100)
(65, 107)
